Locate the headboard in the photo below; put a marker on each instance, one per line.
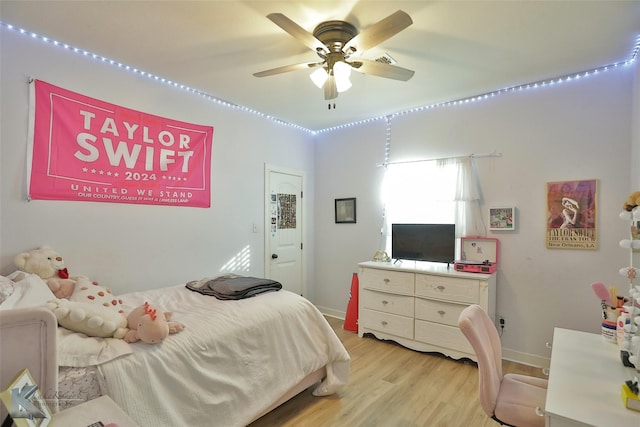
(28, 340)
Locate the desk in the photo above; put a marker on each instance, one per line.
(585, 381)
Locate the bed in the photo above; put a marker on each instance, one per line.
(234, 361)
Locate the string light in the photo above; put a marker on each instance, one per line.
(387, 141)
(526, 86)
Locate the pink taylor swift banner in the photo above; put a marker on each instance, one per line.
(90, 150)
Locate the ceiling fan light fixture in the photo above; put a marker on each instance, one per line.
(342, 85)
(319, 76)
(342, 72)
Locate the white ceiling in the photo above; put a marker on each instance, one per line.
(458, 49)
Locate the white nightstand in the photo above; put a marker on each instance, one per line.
(101, 409)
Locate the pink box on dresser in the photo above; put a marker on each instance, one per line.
(477, 255)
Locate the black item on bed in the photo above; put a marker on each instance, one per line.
(233, 287)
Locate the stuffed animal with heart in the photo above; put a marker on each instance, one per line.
(47, 263)
(49, 266)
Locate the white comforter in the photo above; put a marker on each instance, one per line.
(231, 362)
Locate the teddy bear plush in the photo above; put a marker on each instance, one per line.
(49, 265)
(632, 201)
(146, 324)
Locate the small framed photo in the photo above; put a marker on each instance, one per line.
(503, 219)
(346, 211)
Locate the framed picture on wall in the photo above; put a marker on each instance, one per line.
(345, 210)
(572, 212)
(503, 218)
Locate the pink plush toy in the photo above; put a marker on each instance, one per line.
(147, 325)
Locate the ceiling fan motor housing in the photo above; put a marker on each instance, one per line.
(335, 34)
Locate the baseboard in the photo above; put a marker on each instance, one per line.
(332, 313)
(525, 358)
(507, 354)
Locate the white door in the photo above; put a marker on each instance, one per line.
(283, 228)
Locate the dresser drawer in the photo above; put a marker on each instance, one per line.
(386, 280)
(438, 311)
(388, 303)
(442, 335)
(389, 323)
(448, 288)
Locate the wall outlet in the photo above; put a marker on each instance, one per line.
(501, 322)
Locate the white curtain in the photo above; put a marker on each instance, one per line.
(435, 192)
(468, 216)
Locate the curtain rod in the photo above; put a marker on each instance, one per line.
(473, 156)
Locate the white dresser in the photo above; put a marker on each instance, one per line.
(417, 304)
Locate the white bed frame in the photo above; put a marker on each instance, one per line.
(308, 381)
(28, 340)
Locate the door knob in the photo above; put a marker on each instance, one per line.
(274, 256)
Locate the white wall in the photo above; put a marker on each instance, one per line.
(130, 247)
(573, 131)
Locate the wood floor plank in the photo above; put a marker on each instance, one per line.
(392, 386)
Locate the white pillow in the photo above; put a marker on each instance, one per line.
(78, 350)
(31, 291)
(6, 288)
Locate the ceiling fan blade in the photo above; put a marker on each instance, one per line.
(381, 69)
(379, 32)
(298, 32)
(287, 68)
(330, 89)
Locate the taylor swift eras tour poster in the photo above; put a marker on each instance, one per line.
(572, 214)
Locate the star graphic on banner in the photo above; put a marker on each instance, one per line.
(85, 169)
(101, 172)
(93, 171)
(173, 178)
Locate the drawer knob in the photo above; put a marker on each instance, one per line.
(385, 302)
(441, 312)
(545, 371)
(384, 323)
(386, 280)
(548, 345)
(441, 288)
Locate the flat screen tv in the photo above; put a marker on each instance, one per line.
(423, 242)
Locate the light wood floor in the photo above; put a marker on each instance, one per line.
(391, 386)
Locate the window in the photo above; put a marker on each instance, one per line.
(435, 192)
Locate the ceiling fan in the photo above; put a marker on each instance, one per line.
(335, 42)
